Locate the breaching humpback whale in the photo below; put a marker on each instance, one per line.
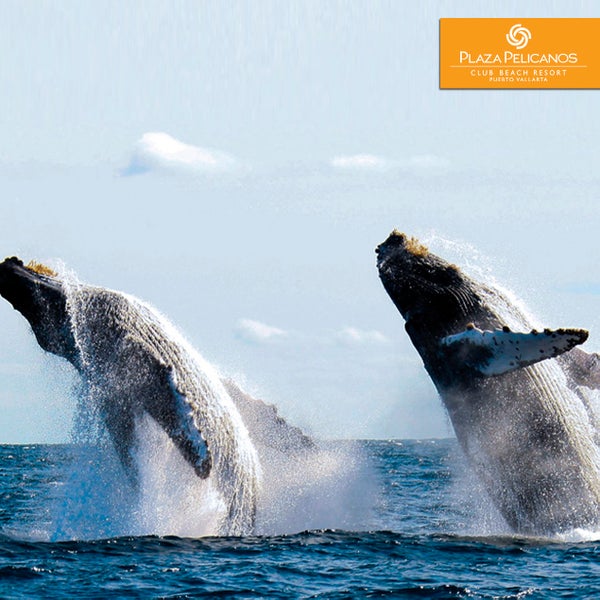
(522, 423)
(134, 363)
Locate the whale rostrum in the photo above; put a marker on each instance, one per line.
(501, 350)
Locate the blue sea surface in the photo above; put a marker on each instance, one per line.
(431, 534)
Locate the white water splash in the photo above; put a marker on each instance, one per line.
(328, 487)
(172, 500)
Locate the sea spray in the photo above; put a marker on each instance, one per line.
(410, 552)
(330, 487)
(306, 483)
(172, 500)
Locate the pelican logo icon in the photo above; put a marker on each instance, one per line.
(518, 36)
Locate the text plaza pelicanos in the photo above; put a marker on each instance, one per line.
(517, 58)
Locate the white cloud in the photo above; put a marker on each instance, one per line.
(160, 151)
(360, 162)
(256, 332)
(354, 336)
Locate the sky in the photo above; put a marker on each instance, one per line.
(236, 163)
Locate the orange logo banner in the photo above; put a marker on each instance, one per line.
(520, 53)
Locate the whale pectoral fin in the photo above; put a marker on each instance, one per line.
(172, 411)
(501, 351)
(583, 368)
(166, 404)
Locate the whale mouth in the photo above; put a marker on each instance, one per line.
(422, 284)
(385, 250)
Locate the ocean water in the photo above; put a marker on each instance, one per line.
(425, 530)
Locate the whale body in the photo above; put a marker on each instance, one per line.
(134, 364)
(517, 410)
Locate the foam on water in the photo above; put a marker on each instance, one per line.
(414, 551)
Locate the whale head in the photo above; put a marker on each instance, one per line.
(38, 294)
(431, 294)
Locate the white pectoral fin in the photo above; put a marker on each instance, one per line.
(501, 351)
(169, 407)
(184, 432)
